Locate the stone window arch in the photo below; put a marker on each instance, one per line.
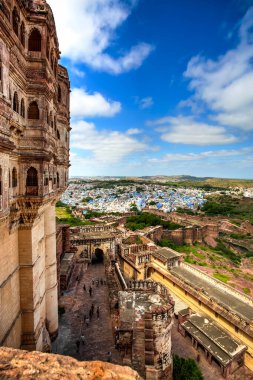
(34, 42)
(33, 111)
(58, 134)
(32, 181)
(58, 180)
(14, 177)
(46, 180)
(59, 94)
(22, 108)
(22, 33)
(15, 102)
(15, 21)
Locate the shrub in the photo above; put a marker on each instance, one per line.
(186, 369)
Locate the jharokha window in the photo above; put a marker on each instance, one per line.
(22, 34)
(15, 102)
(34, 42)
(14, 177)
(58, 180)
(33, 111)
(22, 108)
(59, 94)
(32, 182)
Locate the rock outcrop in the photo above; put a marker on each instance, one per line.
(17, 364)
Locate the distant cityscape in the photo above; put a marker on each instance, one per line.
(91, 193)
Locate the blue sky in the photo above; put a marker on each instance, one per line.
(158, 86)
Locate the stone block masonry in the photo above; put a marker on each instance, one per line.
(34, 161)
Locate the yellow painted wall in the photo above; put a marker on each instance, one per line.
(128, 270)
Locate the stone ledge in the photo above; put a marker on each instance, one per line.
(18, 364)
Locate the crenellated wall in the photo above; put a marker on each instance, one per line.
(186, 235)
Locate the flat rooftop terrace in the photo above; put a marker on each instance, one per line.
(244, 310)
(216, 340)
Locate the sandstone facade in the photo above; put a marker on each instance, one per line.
(34, 160)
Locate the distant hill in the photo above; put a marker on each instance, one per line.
(176, 180)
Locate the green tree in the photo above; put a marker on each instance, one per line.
(186, 369)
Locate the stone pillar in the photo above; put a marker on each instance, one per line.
(31, 277)
(51, 271)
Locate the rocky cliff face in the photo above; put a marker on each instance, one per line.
(17, 364)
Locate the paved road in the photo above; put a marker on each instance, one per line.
(98, 336)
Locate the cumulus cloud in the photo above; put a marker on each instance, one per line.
(186, 130)
(104, 146)
(86, 29)
(83, 104)
(225, 85)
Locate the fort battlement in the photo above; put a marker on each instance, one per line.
(92, 229)
(151, 286)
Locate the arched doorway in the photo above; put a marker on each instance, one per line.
(98, 256)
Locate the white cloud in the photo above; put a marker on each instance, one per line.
(86, 28)
(127, 62)
(133, 131)
(77, 72)
(84, 104)
(201, 156)
(185, 130)
(145, 102)
(225, 86)
(105, 147)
